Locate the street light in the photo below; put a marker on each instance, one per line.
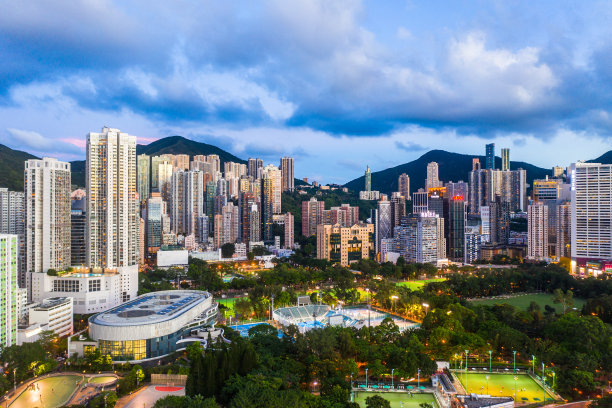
(553, 386)
(392, 370)
(490, 351)
(514, 359)
(418, 377)
(366, 378)
(533, 364)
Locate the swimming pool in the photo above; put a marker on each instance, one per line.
(243, 329)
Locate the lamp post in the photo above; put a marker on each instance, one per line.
(553, 386)
(533, 364)
(366, 378)
(490, 351)
(466, 368)
(14, 380)
(543, 379)
(392, 370)
(418, 378)
(514, 363)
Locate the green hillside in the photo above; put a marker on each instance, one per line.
(452, 167)
(11, 167)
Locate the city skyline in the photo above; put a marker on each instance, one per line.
(381, 83)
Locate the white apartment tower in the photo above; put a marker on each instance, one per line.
(272, 172)
(8, 289)
(47, 214)
(537, 231)
(113, 221)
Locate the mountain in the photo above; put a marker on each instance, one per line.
(605, 158)
(452, 167)
(11, 167)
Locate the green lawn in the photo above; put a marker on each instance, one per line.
(502, 385)
(397, 399)
(229, 303)
(101, 379)
(523, 301)
(49, 392)
(418, 284)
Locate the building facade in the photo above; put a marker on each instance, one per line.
(9, 244)
(344, 245)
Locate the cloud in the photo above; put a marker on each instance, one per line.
(409, 146)
(38, 143)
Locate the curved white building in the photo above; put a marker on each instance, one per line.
(152, 325)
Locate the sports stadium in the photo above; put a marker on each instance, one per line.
(309, 317)
(152, 325)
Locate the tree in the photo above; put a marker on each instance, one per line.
(425, 405)
(227, 250)
(377, 401)
(243, 307)
(566, 299)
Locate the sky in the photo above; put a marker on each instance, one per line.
(338, 84)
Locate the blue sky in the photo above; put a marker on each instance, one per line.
(338, 84)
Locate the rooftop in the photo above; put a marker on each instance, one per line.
(151, 308)
(50, 303)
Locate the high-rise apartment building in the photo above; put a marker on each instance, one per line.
(537, 231)
(155, 161)
(9, 244)
(47, 211)
(177, 203)
(564, 230)
(164, 178)
(368, 179)
(344, 245)
(417, 238)
(144, 177)
(112, 207)
(180, 162)
(473, 242)
(312, 215)
(78, 231)
(273, 173)
(490, 156)
(505, 159)
(432, 180)
(255, 166)
(288, 178)
(12, 221)
(403, 185)
(288, 223)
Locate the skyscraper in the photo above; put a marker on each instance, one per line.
(417, 238)
(564, 230)
(420, 201)
(156, 208)
(384, 228)
(164, 178)
(537, 231)
(288, 178)
(144, 177)
(505, 156)
(155, 161)
(12, 221)
(403, 185)
(490, 156)
(368, 179)
(267, 200)
(255, 166)
(112, 208)
(180, 161)
(432, 180)
(456, 230)
(78, 231)
(47, 209)
(272, 173)
(8, 289)
(312, 215)
(289, 235)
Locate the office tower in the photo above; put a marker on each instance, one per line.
(384, 228)
(368, 179)
(456, 231)
(500, 222)
(436, 202)
(312, 215)
(480, 190)
(403, 185)
(144, 177)
(417, 238)
(255, 167)
(537, 231)
(8, 289)
(475, 164)
(420, 201)
(272, 172)
(155, 161)
(550, 189)
(78, 231)
(12, 221)
(180, 162)
(490, 156)
(112, 206)
(432, 180)
(505, 158)
(398, 209)
(211, 192)
(564, 230)
(591, 218)
(288, 178)
(473, 242)
(156, 208)
(47, 214)
(485, 220)
(344, 245)
(288, 222)
(458, 189)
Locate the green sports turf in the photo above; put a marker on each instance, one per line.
(229, 303)
(397, 399)
(51, 392)
(418, 284)
(523, 301)
(502, 385)
(101, 379)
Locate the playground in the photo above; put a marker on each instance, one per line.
(419, 284)
(503, 385)
(397, 399)
(50, 392)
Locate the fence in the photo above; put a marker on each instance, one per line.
(169, 379)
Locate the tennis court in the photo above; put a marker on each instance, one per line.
(503, 385)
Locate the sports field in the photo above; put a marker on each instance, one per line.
(502, 385)
(102, 379)
(50, 392)
(522, 301)
(397, 399)
(418, 284)
(229, 303)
